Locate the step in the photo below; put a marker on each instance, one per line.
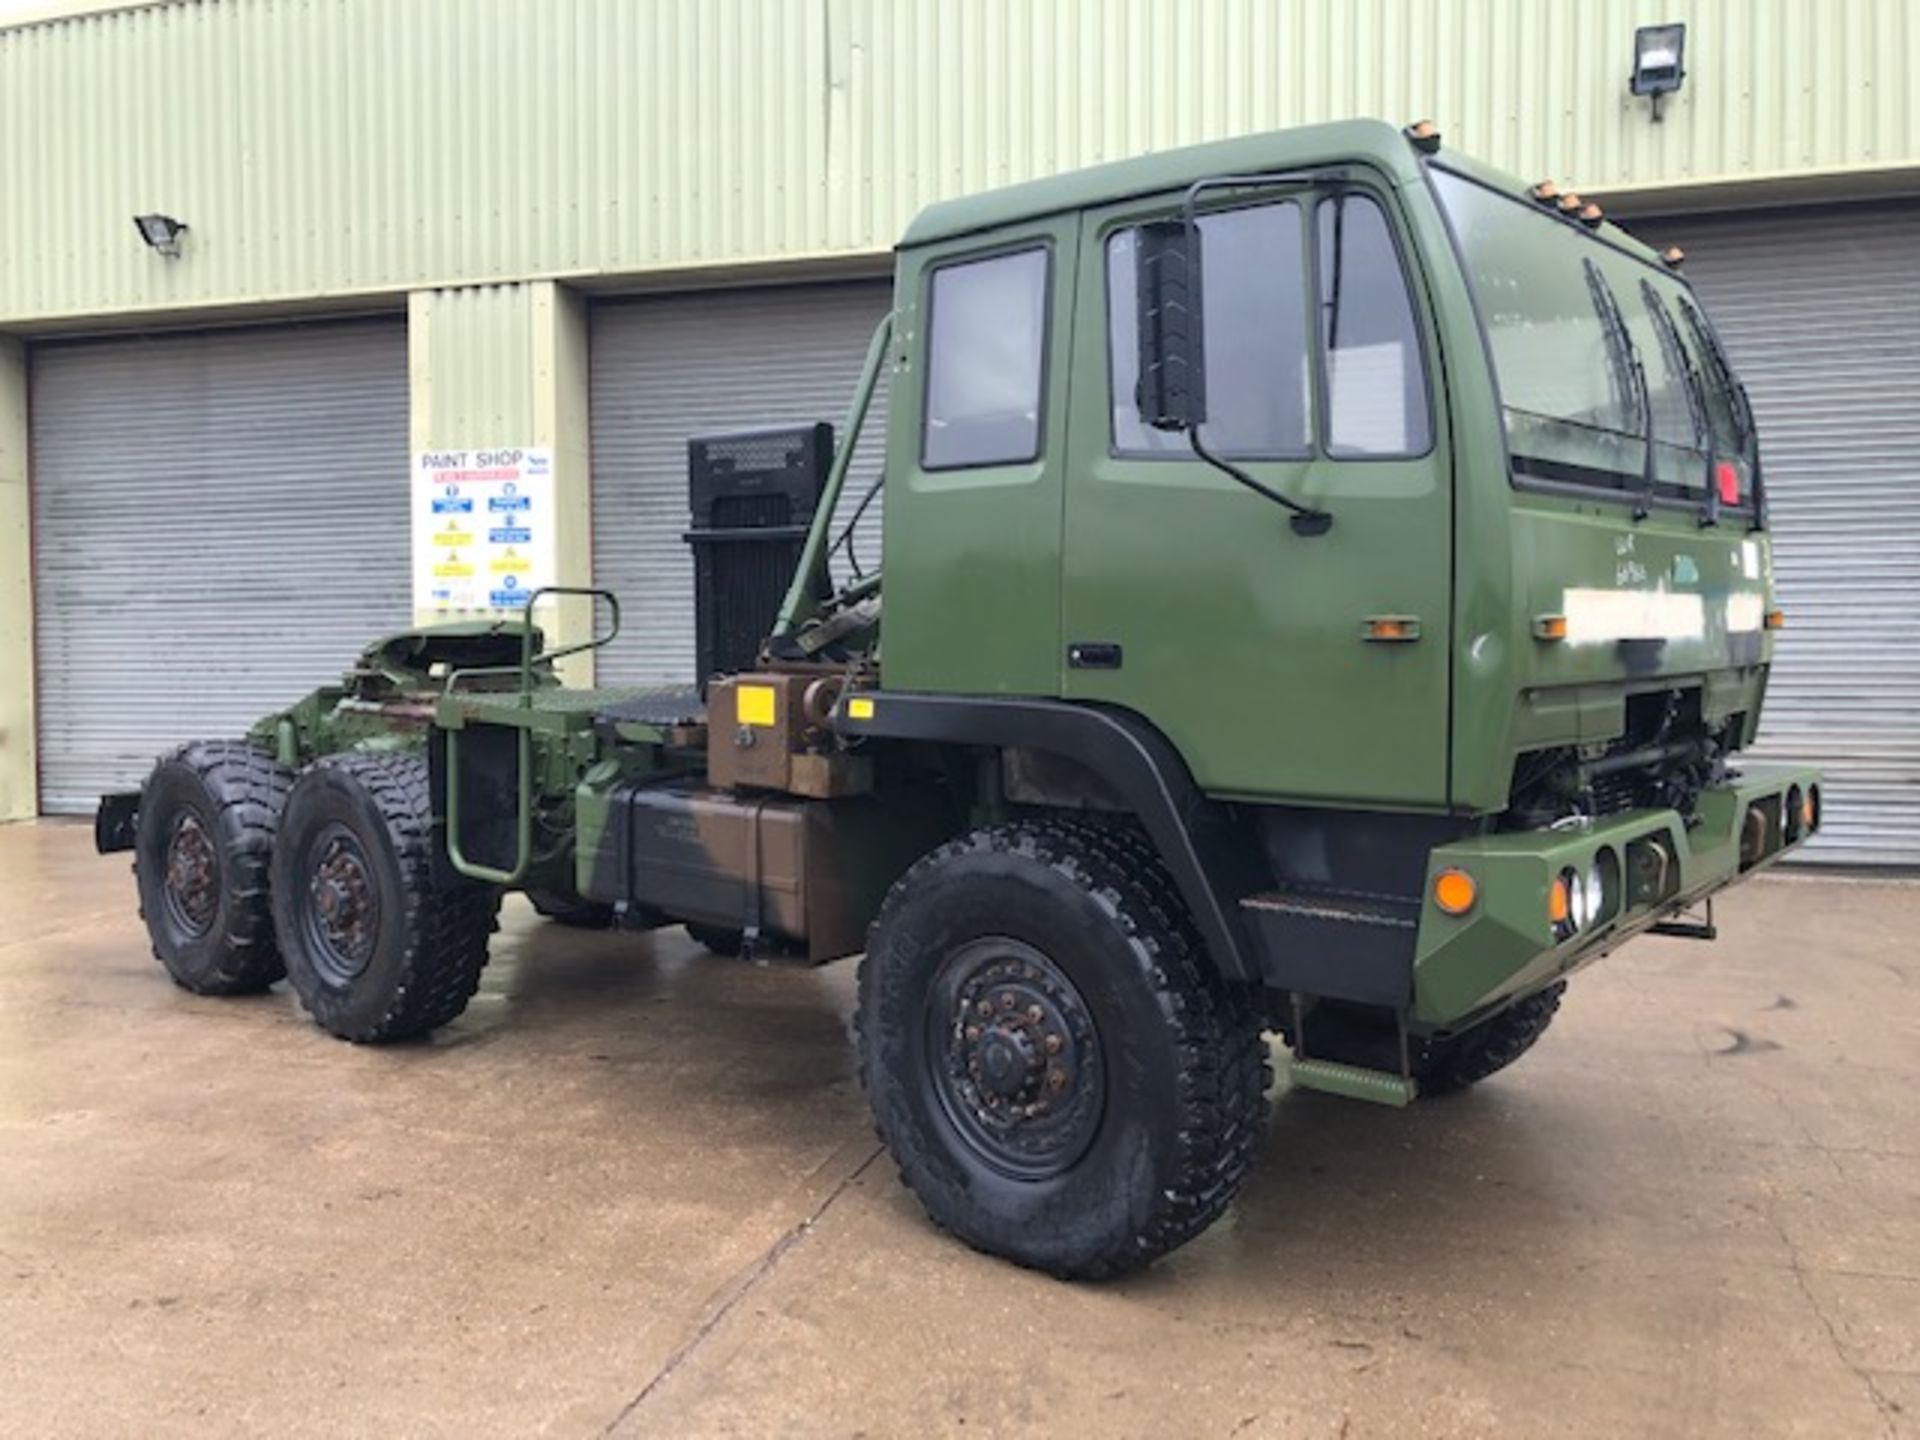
(1336, 944)
(1382, 1087)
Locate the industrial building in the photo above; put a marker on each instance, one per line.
(259, 257)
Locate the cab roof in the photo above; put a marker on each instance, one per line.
(1374, 143)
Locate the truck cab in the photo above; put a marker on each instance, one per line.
(1534, 599)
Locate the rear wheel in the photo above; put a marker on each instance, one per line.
(1050, 1058)
(565, 909)
(719, 939)
(202, 849)
(376, 947)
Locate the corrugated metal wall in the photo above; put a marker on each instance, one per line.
(1821, 311)
(220, 524)
(666, 370)
(321, 146)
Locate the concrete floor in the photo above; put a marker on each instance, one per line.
(633, 1191)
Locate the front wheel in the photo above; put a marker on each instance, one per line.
(1052, 1061)
(377, 946)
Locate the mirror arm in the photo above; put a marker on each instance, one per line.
(1306, 520)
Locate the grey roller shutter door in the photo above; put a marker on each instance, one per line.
(220, 525)
(1820, 309)
(667, 369)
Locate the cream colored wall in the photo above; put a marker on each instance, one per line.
(507, 365)
(17, 771)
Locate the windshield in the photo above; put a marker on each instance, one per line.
(1596, 354)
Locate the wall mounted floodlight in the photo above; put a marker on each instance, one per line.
(1659, 53)
(162, 232)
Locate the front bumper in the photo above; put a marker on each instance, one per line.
(1646, 865)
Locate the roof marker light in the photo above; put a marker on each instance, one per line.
(1673, 257)
(1549, 627)
(1424, 136)
(1591, 215)
(1546, 192)
(1570, 203)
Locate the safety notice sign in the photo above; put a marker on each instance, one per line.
(483, 528)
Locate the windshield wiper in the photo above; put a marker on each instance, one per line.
(1627, 360)
(1738, 405)
(1681, 364)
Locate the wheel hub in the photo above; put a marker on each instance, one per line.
(345, 910)
(1014, 1057)
(192, 876)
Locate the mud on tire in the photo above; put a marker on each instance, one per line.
(376, 947)
(1057, 945)
(209, 812)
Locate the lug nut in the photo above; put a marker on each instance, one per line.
(1053, 1044)
(1034, 1013)
(985, 1007)
(1056, 1080)
(973, 1033)
(1006, 1000)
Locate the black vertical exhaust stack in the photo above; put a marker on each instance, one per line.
(752, 496)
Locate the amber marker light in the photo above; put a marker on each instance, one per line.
(1591, 215)
(1559, 902)
(1776, 619)
(1674, 257)
(1570, 203)
(1454, 891)
(1546, 192)
(1391, 628)
(1549, 627)
(1424, 136)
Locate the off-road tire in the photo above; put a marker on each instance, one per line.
(1182, 1060)
(719, 939)
(571, 910)
(1488, 1048)
(426, 940)
(231, 792)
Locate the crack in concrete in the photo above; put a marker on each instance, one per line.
(739, 1288)
(1795, 1264)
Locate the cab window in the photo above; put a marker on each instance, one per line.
(1254, 316)
(1376, 391)
(986, 343)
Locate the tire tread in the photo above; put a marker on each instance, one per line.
(1224, 1072)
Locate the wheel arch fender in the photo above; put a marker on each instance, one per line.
(1207, 858)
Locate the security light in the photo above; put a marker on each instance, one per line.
(1658, 55)
(162, 232)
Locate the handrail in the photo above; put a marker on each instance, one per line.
(523, 788)
(527, 658)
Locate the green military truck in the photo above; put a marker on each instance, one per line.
(1325, 590)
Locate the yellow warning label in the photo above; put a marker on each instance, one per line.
(511, 565)
(451, 536)
(859, 708)
(455, 569)
(754, 704)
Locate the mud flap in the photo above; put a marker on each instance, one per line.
(115, 821)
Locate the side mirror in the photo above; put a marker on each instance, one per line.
(1172, 392)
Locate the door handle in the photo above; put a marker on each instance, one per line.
(1093, 655)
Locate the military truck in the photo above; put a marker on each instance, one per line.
(1324, 591)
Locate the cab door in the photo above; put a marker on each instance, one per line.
(1283, 666)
